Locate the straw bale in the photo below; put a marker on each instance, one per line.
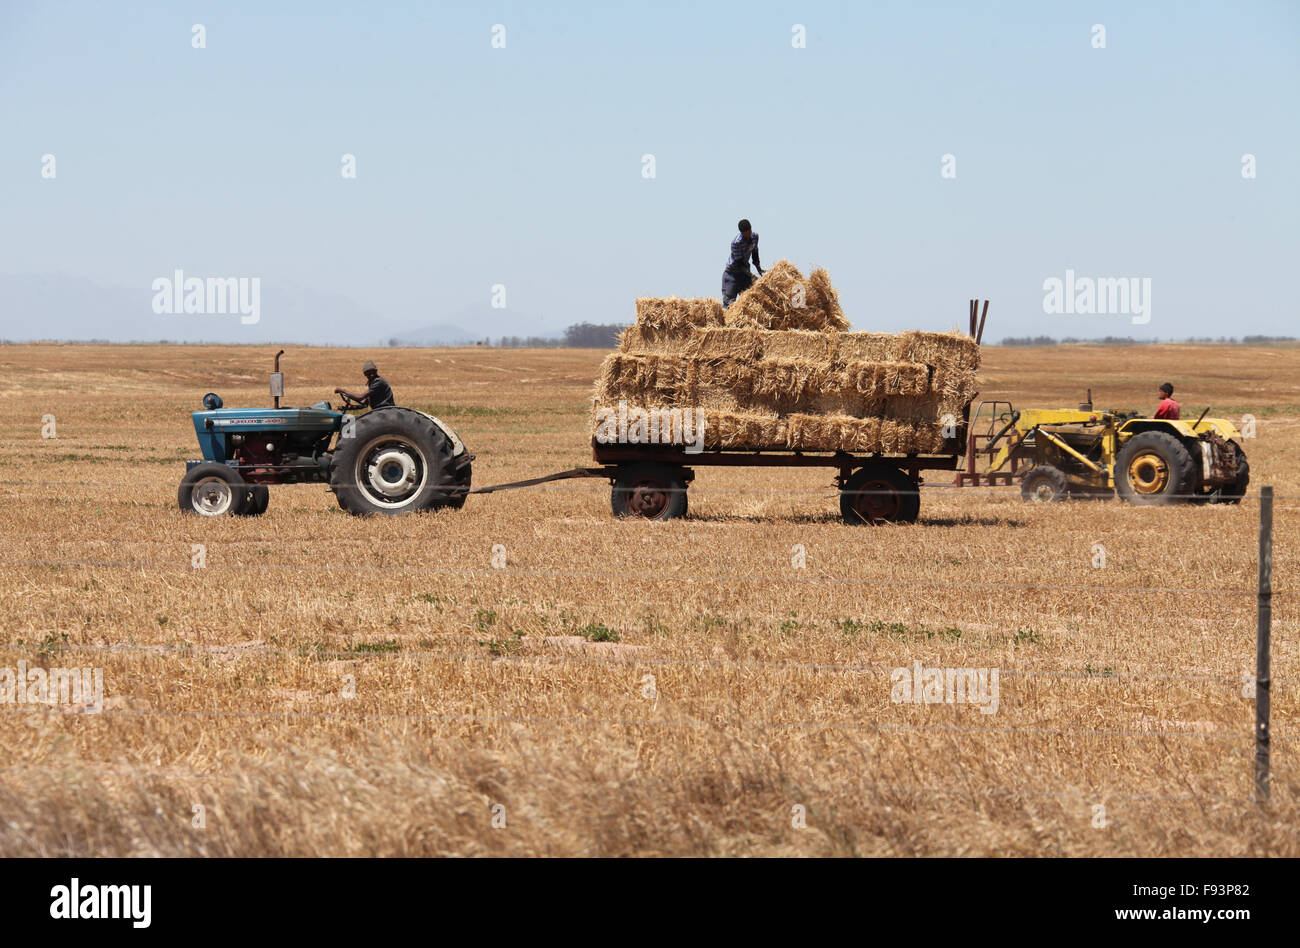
(782, 299)
(787, 386)
(673, 313)
(797, 344)
(807, 432)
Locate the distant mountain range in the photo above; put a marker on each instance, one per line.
(71, 308)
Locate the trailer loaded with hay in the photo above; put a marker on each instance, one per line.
(778, 380)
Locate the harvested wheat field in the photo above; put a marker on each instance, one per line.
(530, 676)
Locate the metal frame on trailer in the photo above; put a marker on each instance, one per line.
(645, 479)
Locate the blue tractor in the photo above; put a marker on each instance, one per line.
(387, 461)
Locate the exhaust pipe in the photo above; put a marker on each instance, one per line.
(277, 380)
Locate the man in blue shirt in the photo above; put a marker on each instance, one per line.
(736, 278)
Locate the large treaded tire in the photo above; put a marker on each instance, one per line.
(1154, 468)
(396, 462)
(462, 478)
(212, 489)
(1045, 484)
(878, 494)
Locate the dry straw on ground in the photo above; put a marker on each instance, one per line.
(478, 686)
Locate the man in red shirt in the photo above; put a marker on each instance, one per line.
(1168, 408)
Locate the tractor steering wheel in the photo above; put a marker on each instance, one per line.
(348, 402)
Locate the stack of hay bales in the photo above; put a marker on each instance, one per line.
(770, 374)
(783, 299)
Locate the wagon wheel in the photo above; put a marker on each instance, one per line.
(651, 491)
(880, 494)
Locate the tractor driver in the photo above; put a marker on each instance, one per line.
(379, 394)
(1168, 408)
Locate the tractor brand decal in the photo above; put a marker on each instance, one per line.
(250, 421)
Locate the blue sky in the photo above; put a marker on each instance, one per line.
(522, 166)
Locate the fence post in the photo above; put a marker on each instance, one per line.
(1265, 621)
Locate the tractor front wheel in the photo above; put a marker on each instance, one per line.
(212, 490)
(1045, 484)
(1154, 468)
(1232, 493)
(259, 496)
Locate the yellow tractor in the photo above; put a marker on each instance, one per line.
(1064, 452)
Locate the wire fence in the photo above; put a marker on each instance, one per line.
(1151, 730)
(315, 654)
(695, 489)
(644, 576)
(795, 792)
(673, 723)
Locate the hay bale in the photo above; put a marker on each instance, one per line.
(753, 430)
(644, 340)
(672, 313)
(645, 378)
(738, 430)
(792, 388)
(797, 344)
(782, 299)
(866, 347)
(821, 310)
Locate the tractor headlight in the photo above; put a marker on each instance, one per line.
(212, 401)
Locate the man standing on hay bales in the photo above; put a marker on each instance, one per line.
(736, 278)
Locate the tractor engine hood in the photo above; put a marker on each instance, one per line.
(214, 427)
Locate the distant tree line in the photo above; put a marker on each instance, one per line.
(1130, 341)
(577, 336)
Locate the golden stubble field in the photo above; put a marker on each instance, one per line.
(334, 686)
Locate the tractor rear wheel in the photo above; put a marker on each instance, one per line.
(211, 489)
(1155, 468)
(259, 496)
(462, 479)
(880, 494)
(649, 490)
(1045, 484)
(396, 461)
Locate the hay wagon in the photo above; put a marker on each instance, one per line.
(651, 481)
(777, 380)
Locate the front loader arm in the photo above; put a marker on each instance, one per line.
(1004, 453)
